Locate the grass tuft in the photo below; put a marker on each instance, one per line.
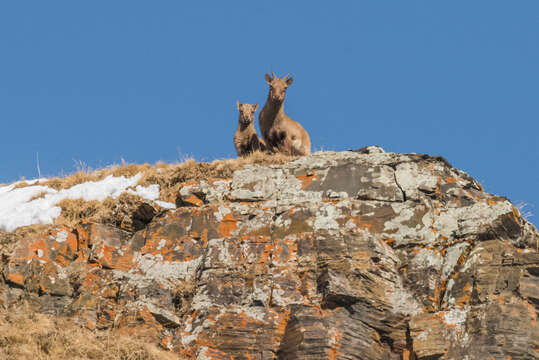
(524, 212)
(116, 212)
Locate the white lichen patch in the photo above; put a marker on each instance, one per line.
(452, 256)
(446, 223)
(472, 259)
(411, 178)
(216, 191)
(336, 195)
(261, 293)
(326, 217)
(402, 302)
(422, 336)
(254, 312)
(201, 300)
(218, 249)
(427, 259)
(447, 297)
(278, 296)
(255, 183)
(155, 268)
(401, 224)
(144, 301)
(476, 218)
(282, 222)
(161, 244)
(61, 236)
(456, 317)
(221, 212)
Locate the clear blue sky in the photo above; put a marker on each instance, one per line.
(98, 81)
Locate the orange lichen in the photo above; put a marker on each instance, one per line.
(465, 299)
(406, 354)
(307, 179)
(361, 224)
(336, 344)
(16, 278)
(214, 354)
(193, 200)
(438, 183)
(227, 225)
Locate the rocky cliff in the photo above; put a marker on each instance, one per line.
(350, 255)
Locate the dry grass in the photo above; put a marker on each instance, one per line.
(41, 195)
(27, 335)
(115, 212)
(21, 184)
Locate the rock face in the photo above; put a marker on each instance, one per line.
(350, 255)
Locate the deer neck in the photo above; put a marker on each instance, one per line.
(245, 127)
(275, 110)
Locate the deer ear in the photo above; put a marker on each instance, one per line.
(289, 81)
(238, 104)
(268, 78)
(256, 107)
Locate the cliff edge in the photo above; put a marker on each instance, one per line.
(338, 255)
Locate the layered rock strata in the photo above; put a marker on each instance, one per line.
(349, 255)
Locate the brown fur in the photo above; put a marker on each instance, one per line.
(246, 140)
(280, 132)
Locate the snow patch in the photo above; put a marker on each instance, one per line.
(18, 209)
(150, 192)
(165, 205)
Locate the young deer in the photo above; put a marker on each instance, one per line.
(245, 139)
(281, 133)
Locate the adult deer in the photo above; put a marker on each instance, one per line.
(280, 132)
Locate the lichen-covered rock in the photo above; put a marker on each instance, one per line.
(352, 255)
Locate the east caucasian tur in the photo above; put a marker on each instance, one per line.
(245, 139)
(279, 131)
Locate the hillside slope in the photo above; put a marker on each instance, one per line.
(350, 255)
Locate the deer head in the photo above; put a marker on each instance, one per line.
(278, 86)
(247, 112)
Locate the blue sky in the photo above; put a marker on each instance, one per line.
(147, 81)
